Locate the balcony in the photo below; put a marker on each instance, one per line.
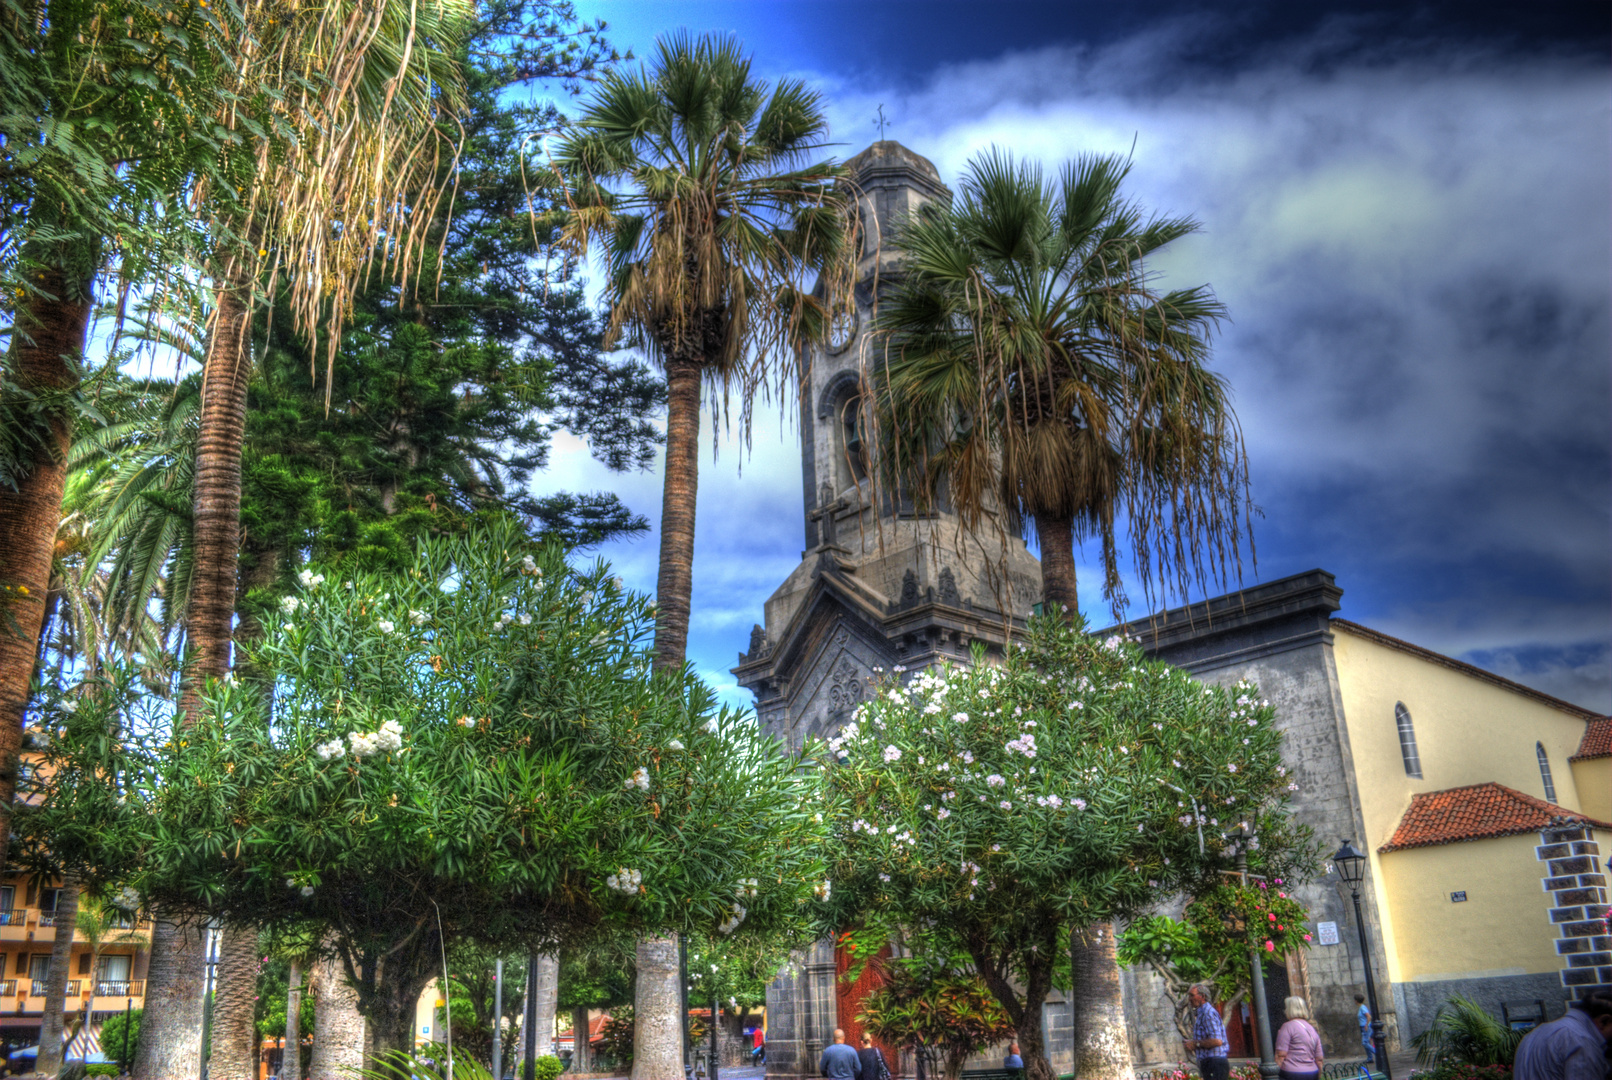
(124, 989)
(8, 987)
(47, 918)
(74, 987)
(13, 916)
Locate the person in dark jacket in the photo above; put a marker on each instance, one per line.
(840, 1061)
(872, 1058)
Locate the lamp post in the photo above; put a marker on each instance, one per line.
(498, 1019)
(1262, 1013)
(1351, 866)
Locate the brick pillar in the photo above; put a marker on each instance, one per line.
(1579, 905)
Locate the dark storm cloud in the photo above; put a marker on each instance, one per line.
(1407, 216)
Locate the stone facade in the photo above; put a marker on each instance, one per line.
(1276, 634)
(1573, 877)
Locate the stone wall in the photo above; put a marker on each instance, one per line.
(1276, 636)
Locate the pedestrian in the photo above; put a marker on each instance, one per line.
(1298, 1045)
(1363, 1015)
(872, 1059)
(1573, 1047)
(840, 1061)
(1208, 1040)
(758, 1047)
(1013, 1060)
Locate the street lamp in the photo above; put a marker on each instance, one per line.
(1351, 866)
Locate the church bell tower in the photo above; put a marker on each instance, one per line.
(878, 584)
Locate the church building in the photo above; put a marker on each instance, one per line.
(1482, 803)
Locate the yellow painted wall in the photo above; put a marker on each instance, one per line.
(1503, 926)
(1468, 731)
(1593, 778)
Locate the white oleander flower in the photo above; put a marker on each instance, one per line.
(307, 890)
(332, 749)
(418, 618)
(995, 780)
(524, 620)
(289, 604)
(385, 626)
(892, 754)
(674, 745)
(639, 779)
(529, 564)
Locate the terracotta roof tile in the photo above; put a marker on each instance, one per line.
(1475, 813)
(1597, 740)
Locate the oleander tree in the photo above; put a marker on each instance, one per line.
(1211, 942)
(472, 750)
(1078, 782)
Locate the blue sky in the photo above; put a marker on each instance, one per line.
(1405, 209)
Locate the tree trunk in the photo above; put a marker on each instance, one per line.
(580, 1049)
(1024, 1012)
(1057, 539)
(235, 1040)
(1097, 1009)
(548, 993)
(208, 619)
(674, 584)
(291, 1059)
(49, 1061)
(170, 1028)
(657, 1039)
(338, 1027)
(217, 508)
(47, 347)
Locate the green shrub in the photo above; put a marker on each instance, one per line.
(547, 1067)
(102, 1068)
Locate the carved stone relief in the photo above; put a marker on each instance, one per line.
(845, 689)
(948, 587)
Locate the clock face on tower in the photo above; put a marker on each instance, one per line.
(842, 330)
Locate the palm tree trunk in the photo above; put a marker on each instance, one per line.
(46, 349)
(657, 1038)
(338, 1026)
(217, 514)
(177, 972)
(170, 1028)
(675, 582)
(1101, 1040)
(291, 1059)
(49, 1061)
(657, 1003)
(1057, 539)
(235, 1042)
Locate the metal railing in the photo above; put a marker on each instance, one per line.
(8, 987)
(123, 988)
(13, 916)
(74, 987)
(47, 918)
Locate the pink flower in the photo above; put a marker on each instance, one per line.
(1271, 916)
(1270, 946)
(1306, 937)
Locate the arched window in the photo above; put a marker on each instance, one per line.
(1407, 741)
(1544, 772)
(852, 446)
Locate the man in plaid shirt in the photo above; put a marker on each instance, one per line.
(1208, 1037)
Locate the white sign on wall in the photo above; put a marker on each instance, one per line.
(1327, 933)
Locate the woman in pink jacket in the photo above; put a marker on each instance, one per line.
(1298, 1045)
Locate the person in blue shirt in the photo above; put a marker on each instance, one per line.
(1363, 1015)
(1208, 1040)
(1013, 1060)
(1571, 1048)
(840, 1062)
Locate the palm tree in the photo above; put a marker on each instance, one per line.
(1034, 374)
(699, 182)
(359, 181)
